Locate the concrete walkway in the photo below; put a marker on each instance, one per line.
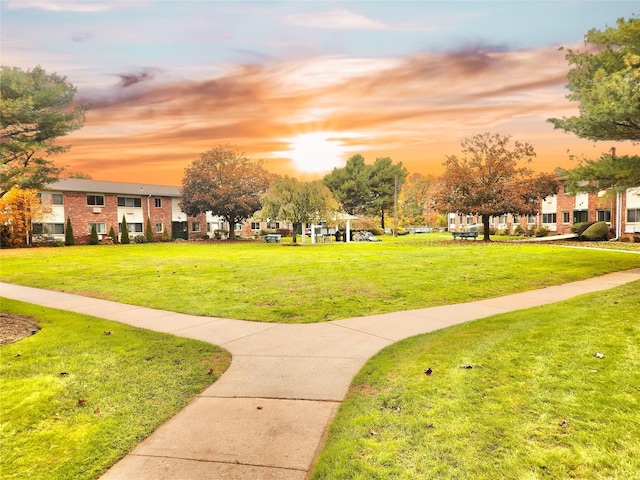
(266, 417)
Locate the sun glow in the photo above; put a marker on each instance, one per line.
(315, 152)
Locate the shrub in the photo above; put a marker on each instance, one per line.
(93, 238)
(140, 238)
(165, 235)
(519, 230)
(596, 232)
(625, 239)
(69, 239)
(579, 228)
(541, 231)
(148, 232)
(107, 240)
(636, 238)
(58, 243)
(113, 236)
(124, 235)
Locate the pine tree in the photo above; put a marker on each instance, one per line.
(148, 232)
(93, 238)
(69, 239)
(124, 235)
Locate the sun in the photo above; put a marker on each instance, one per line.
(315, 152)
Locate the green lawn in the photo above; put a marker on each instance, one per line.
(74, 399)
(309, 283)
(535, 404)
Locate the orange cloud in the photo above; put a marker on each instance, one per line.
(415, 109)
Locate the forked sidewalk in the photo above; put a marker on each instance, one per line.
(265, 418)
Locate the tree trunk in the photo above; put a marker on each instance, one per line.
(295, 232)
(485, 224)
(232, 230)
(382, 219)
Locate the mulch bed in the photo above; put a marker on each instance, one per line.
(16, 327)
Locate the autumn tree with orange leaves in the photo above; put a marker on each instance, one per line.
(490, 180)
(225, 183)
(19, 209)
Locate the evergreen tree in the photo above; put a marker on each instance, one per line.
(112, 234)
(124, 235)
(69, 239)
(93, 238)
(165, 235)
(148, 232)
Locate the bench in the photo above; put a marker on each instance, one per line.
(272, 237)
(464, 235)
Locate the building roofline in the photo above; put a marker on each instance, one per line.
(97, 186)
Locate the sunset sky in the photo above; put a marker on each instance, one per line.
(304, 85)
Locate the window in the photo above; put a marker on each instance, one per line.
(95, 200)
(633, 215)
(159, 227)
(101, 227)
(548, 218)
(237, 227)
(603, 215)
(158, 202)
(531, 219)
(129, 202)
(255, 225)
(195, 226)
(132, 227)
(48, 228)
(51, 198)
(580, 216)
(566, 217)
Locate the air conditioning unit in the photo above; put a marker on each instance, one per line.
(97, 209)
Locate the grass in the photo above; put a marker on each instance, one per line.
(278, 283)
(75, 400)
(536, 404)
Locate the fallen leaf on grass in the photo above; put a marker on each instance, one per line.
(599, 355)
(428, 371)
(466, 366)
(372, 432)
(63, 374)
(210, 371)
(80, 402)
(97, 410)
(108, 332)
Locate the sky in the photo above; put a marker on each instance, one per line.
(305, 85)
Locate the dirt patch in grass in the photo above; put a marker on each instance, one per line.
(16, 327)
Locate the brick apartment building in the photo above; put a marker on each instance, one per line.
(103, 204)
(89, 202)
(559, 212)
